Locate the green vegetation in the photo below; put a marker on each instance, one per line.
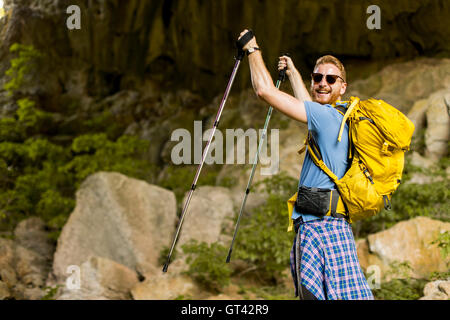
(400, 289)
(22, 66)
(263, 241)
(262, 244)
(51, 292)
(443, 243)
(207, 264)
(39, 176)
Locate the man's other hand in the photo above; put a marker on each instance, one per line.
(252, 43)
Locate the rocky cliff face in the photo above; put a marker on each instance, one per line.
(190, 43)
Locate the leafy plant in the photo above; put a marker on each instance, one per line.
(399, 269)
(443, 243)
(39, 177)
(51, 292)
(400, 289)
(263, 240)
(25, 62)
(95, 152)
(206, 264)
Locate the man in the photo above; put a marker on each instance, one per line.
(324, 262)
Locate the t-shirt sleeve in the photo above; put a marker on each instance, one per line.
(318, 115)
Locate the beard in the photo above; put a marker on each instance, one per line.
(326, 95)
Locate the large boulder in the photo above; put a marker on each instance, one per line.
(101, 279)
(166, 286)
(31, 233)
(402, 84)
(210, 211)
(418, 115)
(4, 291)
(437, 290)
(438, 124)
(406, 242)
(25, 261)
(122, 219)
(23, 272)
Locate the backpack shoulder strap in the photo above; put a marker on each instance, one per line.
(316, 156)
(340, 109)
(355, 101)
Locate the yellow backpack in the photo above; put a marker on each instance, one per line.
(379, 135)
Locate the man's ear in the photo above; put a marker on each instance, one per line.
(343, 88)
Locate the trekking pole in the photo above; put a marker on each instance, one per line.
(281, 76)
(240, 54)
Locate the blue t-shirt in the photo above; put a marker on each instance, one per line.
(324, 123)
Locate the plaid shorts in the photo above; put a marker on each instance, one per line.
(329, 264)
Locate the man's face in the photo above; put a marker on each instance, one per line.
(324, 92)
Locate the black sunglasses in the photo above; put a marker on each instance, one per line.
(331, 78)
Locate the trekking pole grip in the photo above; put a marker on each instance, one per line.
(242, 42)
(282, 73)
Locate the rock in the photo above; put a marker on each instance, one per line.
(407, 241)
(425, 163)
(221, 296)
(8, 275)
(437, 290)
(119, 218)
(33, 293)
(435, 296)
(417, 115)
(164, 40)
(102, 279)
(210, 210)
(444, 286)
(254, 200)
(420, 178)
(166, 286)
(31, 234)
(438, 124)
(6, 253)
(23, 271)
(419, 161)
(403, 84)
(4, 291)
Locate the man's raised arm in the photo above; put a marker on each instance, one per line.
(300, 91)
(265, 89)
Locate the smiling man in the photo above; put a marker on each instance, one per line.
(324, 262)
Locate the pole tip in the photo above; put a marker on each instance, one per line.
(166, 265)
(228, 257)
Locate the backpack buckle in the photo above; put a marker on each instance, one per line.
(385, 147)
